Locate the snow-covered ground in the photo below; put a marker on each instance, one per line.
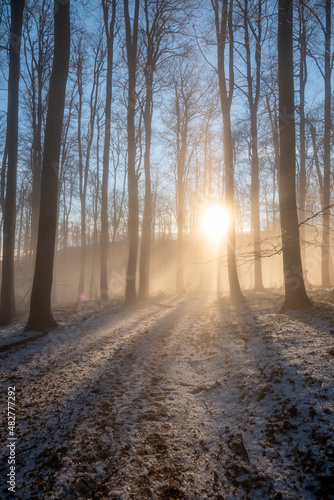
(190, 398)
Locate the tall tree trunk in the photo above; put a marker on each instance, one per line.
(224, 30)
(109, 30)
(95, 210)
(144, 269)
(7, 307)
(255, 205)
(302, 138)
(253, 100)
(295, 294)
(316, 157)
(3, 176)
(82, 183)
(83, 251)
(181, 148)
(133, 222)
(273, 116)
(20, 210)
(85, 173)
(41, 317)
(37, 152)
(325, 247)
(180, 229)
(235, 290)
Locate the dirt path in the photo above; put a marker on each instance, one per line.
(193, 400)
(99, 382)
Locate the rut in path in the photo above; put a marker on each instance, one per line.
(198, 399)
(133, 408)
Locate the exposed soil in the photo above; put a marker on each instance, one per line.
(192, 398)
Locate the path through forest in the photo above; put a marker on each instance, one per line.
(189, 398)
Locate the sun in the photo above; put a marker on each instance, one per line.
(215, 222)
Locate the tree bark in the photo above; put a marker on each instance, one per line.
(41, 317)
(82, 178)
(325, 247)
(253, 101)
(95, 210)
(133, 222)
(109, 30)
(255, 205)
(144, 269)
(302, 138)
(37, 133)
(85, 168)
(235, 290)
(295, 294)
(224, 31)
(7, 308)
(273, 117)
(182, 139)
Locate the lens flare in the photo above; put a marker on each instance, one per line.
(215, 222)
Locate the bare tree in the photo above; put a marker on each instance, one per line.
(95, 183)
(224, 33)
(41, 317)
(133, 223)
(253, 95)
(186, 106)
(84, 157)
(37, 36)
(118, 197)
(159, 21)
(325, 252)
(295, 294)
(109, 28)
(302, 132)
(7, 307)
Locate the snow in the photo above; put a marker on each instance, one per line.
(191, 398)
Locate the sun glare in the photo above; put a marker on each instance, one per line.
(214, 222)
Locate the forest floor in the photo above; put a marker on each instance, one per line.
(188, 398)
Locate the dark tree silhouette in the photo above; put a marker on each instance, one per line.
(7, 308)
(295, 294)
(41, 318)
(109, 28)
(302, 130)
(253, 95)
(325, 259)
(84, 166)
(37, 38)
(224, 33)
(133, 223)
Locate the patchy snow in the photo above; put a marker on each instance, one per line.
(190, 399)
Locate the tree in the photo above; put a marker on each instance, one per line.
(302, 131)
(109, 28)
(133, 222)
(224, 33)
(159, 20)
(181, 139)
(253, 95)
(7, 307)
(186, 106)
(37, 36)
(325, 275)
(271, 106)
(295, 293)
(95, 182)
(84, 165)
(41, 317)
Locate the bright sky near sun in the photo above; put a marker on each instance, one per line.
(214, 222)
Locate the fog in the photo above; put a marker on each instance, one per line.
(204, 268)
